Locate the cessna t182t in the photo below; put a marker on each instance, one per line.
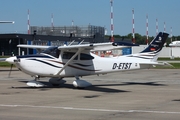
(78, 60)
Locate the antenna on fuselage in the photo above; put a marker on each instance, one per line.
(71, 43)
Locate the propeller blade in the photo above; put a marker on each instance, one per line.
(10, 70)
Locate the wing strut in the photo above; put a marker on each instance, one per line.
(81, 42)
(71, 43)
(67, 63)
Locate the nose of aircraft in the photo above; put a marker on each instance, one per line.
(11, 60)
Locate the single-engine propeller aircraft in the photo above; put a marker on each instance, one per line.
(175, 44)
(7, 22)
(78, 60)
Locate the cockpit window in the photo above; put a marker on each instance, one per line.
(68, 55)
(86, 57)
(83, 56)
(54, 51)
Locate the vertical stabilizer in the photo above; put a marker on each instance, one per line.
(154, 48)
(157, 43)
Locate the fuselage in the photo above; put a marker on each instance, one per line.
(48, 66)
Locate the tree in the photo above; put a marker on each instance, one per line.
(142, 39)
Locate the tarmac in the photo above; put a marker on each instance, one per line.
(132, 95)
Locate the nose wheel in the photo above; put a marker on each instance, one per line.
(35, 83)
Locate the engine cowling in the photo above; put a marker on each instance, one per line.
(81, 84)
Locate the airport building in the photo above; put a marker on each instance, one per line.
(56, 36)
(52, 36)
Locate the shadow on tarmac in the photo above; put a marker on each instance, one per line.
(96, 88)
(133, 83)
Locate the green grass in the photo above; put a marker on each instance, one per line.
(4, 56)
(174, 66)
(4, 64)
(168, 59)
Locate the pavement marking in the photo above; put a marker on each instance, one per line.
(89, 109)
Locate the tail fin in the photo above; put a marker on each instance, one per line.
(157, 43)
(154, 48)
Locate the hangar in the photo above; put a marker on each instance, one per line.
(53, 36)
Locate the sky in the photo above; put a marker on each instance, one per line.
(94, 12)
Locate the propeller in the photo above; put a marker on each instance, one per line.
(10, 70)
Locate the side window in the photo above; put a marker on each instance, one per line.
(86, 57)
(68, 55)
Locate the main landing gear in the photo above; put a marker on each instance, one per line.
(81, 83)
(78, 83)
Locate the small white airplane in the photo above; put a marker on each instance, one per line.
(78, 60)
(175, 44)
(7, 22)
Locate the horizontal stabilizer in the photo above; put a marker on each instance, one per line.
(157, 63)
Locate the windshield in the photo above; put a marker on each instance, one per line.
(54, 51)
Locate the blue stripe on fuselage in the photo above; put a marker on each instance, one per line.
(45, 63)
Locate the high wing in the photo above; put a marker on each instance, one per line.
(99, 46)
(39, 48)
(33, 46)
(91, 47)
